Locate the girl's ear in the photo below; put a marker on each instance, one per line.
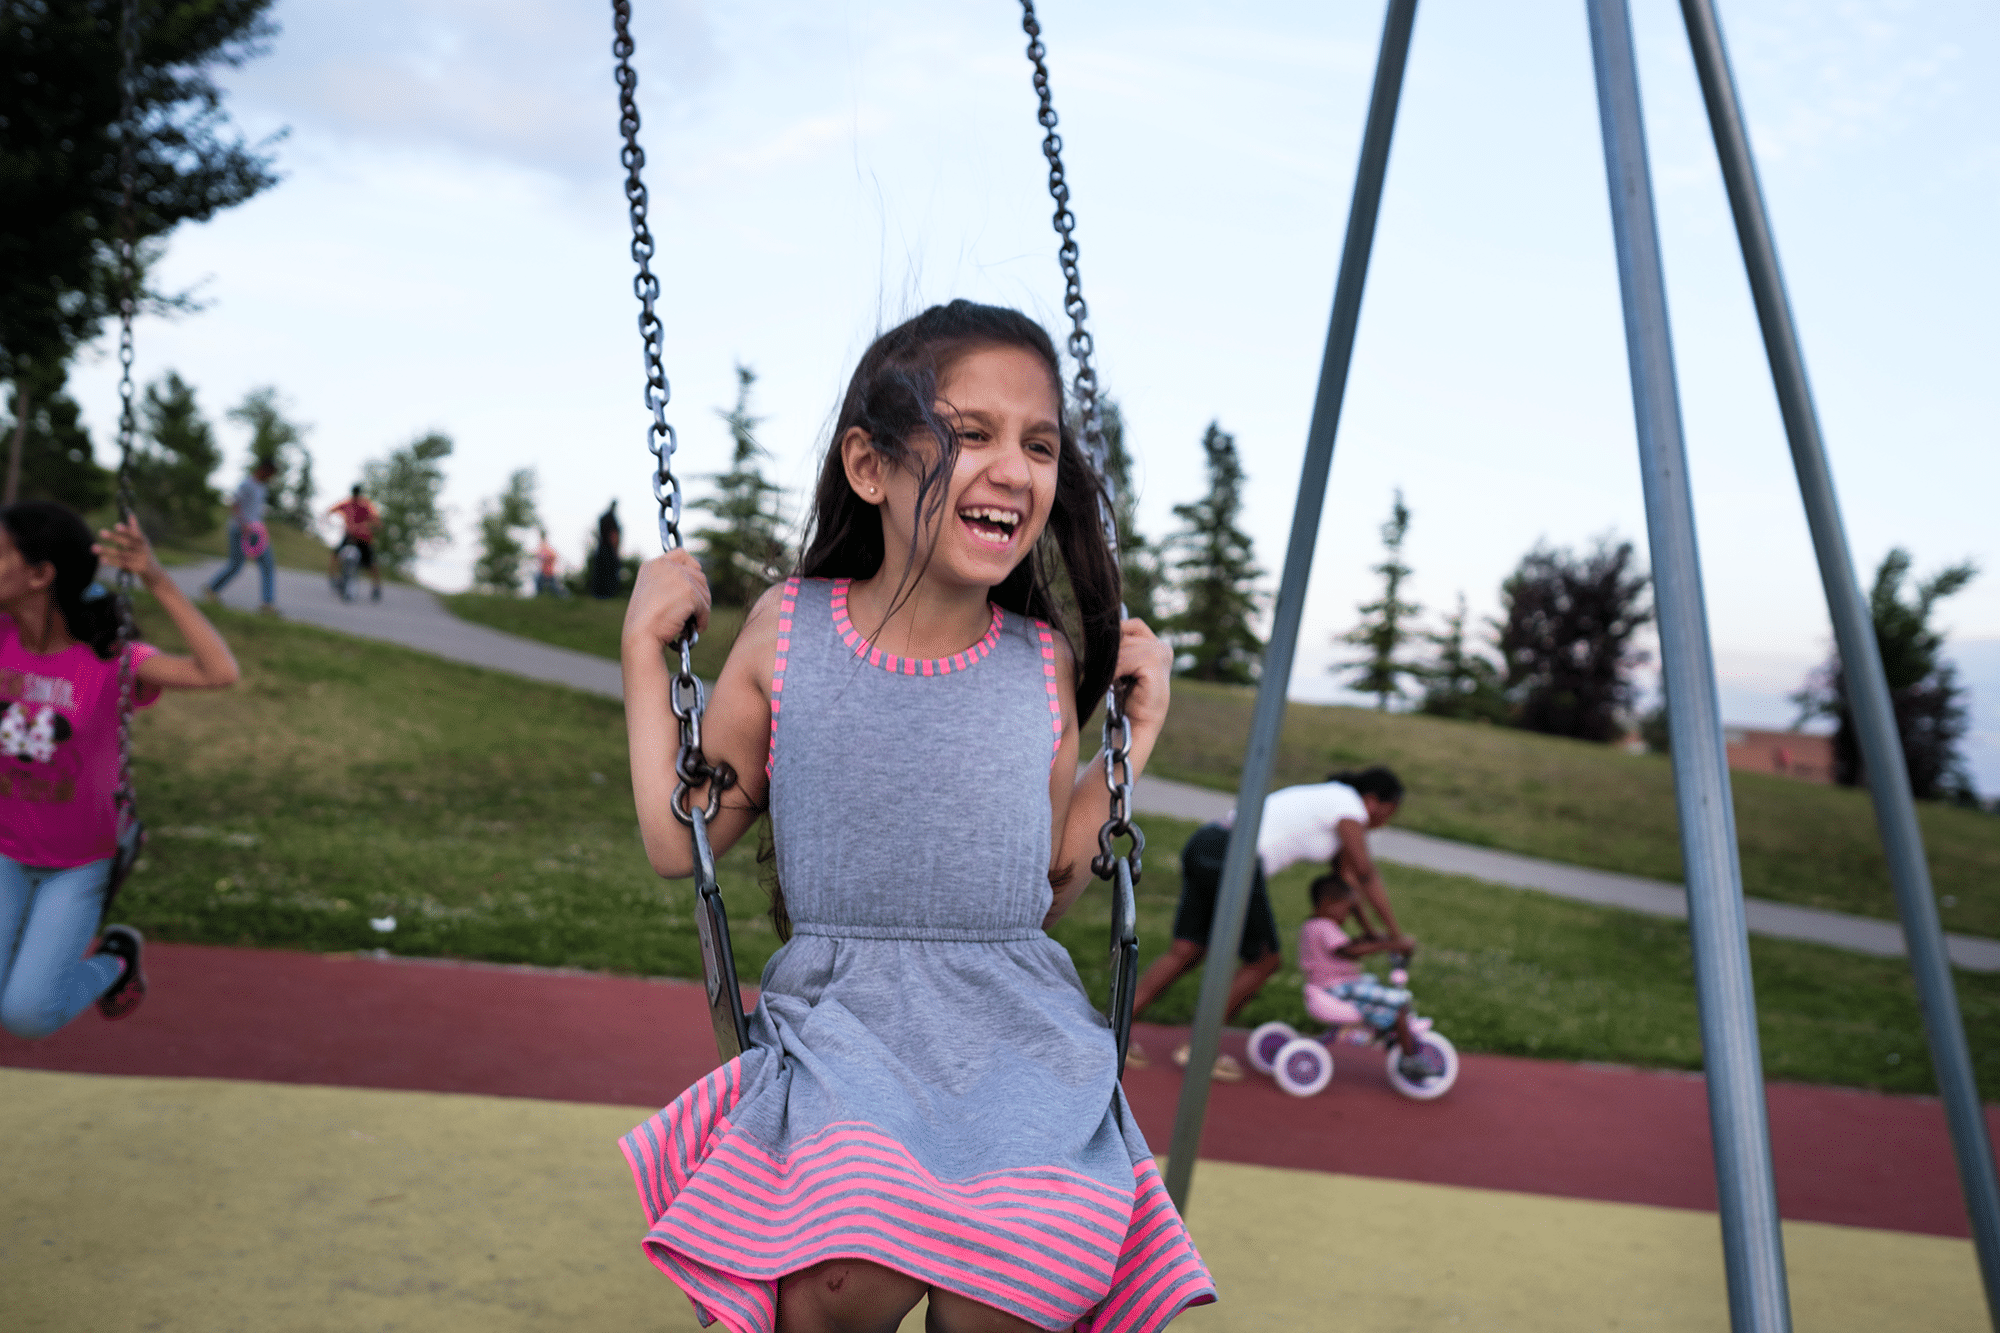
(863, 464)
(42, 577)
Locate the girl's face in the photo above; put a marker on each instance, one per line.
(18, 578)
(1005, 406)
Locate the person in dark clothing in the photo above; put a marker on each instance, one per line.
(604, 572)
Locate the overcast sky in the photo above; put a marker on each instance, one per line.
(448, 250)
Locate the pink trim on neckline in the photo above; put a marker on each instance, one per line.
(907, 666)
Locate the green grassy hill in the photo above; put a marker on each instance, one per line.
(1589, 805)
(491, 816)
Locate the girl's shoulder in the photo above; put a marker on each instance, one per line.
(767, 620)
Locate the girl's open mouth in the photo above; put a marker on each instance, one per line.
(995, 527)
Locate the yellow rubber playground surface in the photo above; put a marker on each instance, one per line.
(215, 1205)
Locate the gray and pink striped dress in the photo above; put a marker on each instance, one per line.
(928, 1086)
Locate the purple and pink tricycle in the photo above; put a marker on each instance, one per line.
(1422, 1062)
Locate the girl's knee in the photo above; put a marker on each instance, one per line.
(29, 1018)
(845, 1296)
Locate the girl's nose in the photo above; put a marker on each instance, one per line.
(1010, 466)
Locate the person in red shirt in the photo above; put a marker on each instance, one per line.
(359, 517)
(62, 672)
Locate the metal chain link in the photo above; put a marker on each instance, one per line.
(1117, 728)
(685, 695)
(125, 797)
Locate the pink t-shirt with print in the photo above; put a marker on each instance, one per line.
(1318, 940)
(59, 751)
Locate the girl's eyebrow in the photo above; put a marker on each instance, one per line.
(987, 419)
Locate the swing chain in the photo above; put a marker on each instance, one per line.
(1117, 727)
(1081, 346)
(661, 441)
(684, 694)
(125, 796)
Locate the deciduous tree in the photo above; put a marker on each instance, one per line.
(405, 486)
(502, 520)
(59, 156)
(1566, 638)
(1929, 702)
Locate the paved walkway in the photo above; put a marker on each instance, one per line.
(289, 1141)
(416, 619)
(1651, 896)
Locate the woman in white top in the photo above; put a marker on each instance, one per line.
(1322, 821)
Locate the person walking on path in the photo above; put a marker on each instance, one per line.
(1323, 821)
(359, 517)
(929, 1105)
(604, 571)
(61, 660)
(248, 537)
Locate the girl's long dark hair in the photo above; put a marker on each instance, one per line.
(893, 398)
(46, 533)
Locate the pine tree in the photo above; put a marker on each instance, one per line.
(1924, 691)
(47, 442)
(1459, 681)
(280, 443)
(502, 552)
(172, 465)
(1384, 628)
(405, 487)
(745, 552)
(1139, 560)
(1215, 575)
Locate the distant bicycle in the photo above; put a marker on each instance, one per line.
(1303, 1066)
(349, 558)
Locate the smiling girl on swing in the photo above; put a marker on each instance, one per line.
(929, 1105)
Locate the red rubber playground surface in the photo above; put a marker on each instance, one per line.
(1575, 1131)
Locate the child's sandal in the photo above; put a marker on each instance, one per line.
(130, 988)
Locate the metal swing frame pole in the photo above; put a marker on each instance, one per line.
(1752, 1246)
(1226, 932)
(1860, 654)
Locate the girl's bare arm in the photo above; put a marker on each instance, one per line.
(736, 727)
(211, 666)
(1148, 663)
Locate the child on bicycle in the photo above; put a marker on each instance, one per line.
(359, 517)
(1339, 992)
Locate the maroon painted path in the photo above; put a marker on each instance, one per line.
(1580, 1131)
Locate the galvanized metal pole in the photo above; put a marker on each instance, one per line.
(1234, 895)
(1860, 654)
(1753, 1250)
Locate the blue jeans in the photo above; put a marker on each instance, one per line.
(267, 565)
(47, 919)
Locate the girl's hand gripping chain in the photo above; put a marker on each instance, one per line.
(670, 593)
(1145, 668)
